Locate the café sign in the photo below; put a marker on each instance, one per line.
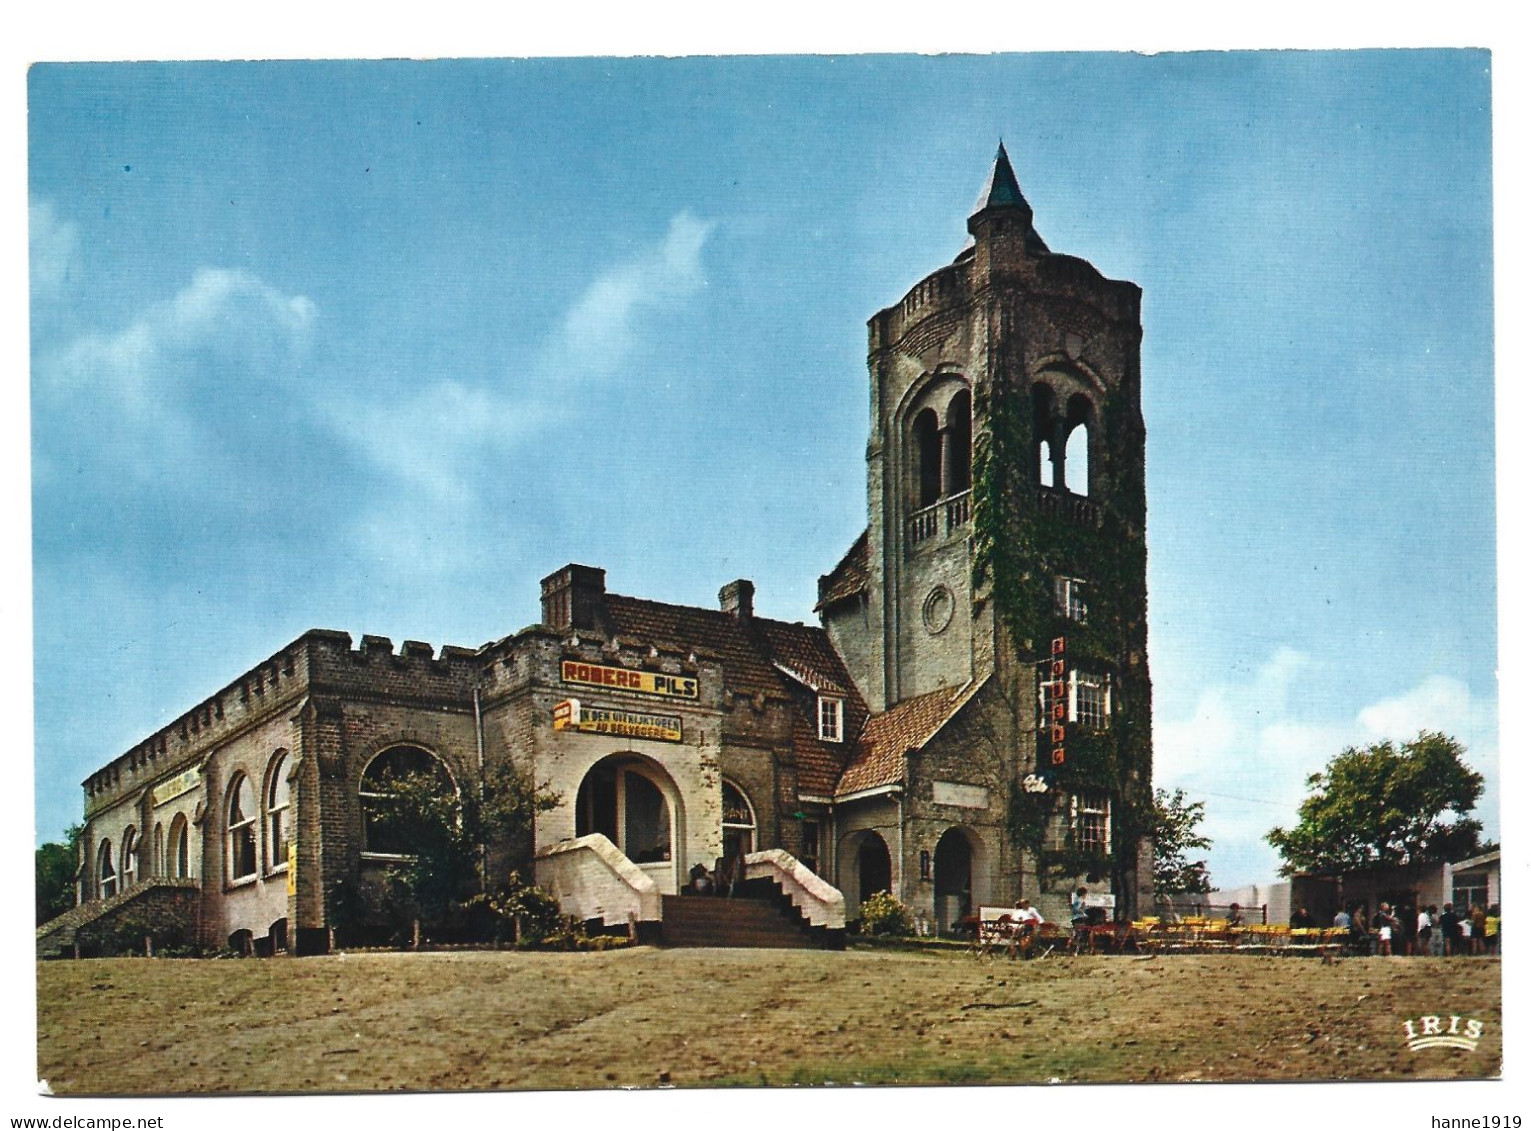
(630, 679)
(571, 714)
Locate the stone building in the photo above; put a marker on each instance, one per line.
(968, 723)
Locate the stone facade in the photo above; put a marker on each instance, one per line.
(881, 748)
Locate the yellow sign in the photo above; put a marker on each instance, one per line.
(572, 715)
(292, 867)
(183, 782)
(627, 679)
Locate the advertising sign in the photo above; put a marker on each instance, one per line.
(629, 679)
(571, 714)
(1058, 699)
(183, 782)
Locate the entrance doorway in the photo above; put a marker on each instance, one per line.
(954, 878)
(629, 801)
(874, 866)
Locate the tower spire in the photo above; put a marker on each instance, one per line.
(1001, 197)
(1001, 190)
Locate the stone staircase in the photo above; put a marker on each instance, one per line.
(167, 901)
(746, 920)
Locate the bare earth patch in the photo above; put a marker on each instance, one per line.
(501, 1020)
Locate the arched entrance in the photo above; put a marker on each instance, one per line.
(874, 866)
(633, 803)
(954, 878)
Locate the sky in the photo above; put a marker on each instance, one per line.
(375, 346)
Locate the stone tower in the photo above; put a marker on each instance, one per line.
(1005, 542)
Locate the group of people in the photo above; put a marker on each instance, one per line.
(1025, 921)
(1428, 931)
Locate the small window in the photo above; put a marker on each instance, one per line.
(129, 857)
(106, 871)
(1092, 822)
(278, 801)
(1092, 701)
(831, 719)
(1069, 598)
(180, 849)
(1469, 891)
(1074, 697)
(242, 815)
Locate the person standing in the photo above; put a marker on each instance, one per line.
(1491, 929)
(1079, 919)
(1385, 923)
(1451, 935)
(1480, 928)
(1423, 926)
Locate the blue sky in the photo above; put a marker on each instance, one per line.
(375, 346)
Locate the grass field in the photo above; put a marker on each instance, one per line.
(645, 1017)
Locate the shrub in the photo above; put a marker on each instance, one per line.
(885, 915)
(496, 914)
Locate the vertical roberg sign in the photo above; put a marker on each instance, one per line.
(629, 679)
(1058, 700)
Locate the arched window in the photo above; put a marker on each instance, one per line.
(242, 816)
(278, 800)
(130, 857)
(959, 443)
(180, 848)
(738, 821)
(1042, 433)
(106, 872)
(1076, 456)
(382, 825)
(927, 454)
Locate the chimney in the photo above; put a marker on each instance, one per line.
(574, 597)
(737, 599)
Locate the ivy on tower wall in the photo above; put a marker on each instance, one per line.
(1019, 550)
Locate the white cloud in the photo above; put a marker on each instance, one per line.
(175, 388)
(442, 435)
(1439, 703)
(445, 437)
(1248, 746)
(54, 246)
(599, 329)
(220, 311)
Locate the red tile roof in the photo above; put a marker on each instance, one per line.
(808, 658)
(710, 632)
(887, 737)
(848, 578)
(760, 656)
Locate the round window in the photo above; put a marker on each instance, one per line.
(939, 606)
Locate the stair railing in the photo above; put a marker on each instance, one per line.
(820, 902)
(593, 879)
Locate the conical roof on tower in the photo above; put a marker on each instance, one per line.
(1002, 190)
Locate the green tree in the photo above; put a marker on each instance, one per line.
(56, 864)
(1175, 837)
(449, 834)
(1385, 804)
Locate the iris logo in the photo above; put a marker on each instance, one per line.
(1452, 1032)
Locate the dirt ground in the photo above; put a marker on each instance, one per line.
(647, 1017)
